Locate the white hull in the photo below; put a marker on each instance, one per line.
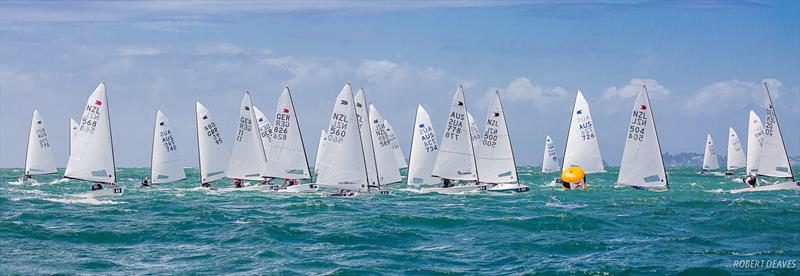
(455, 189)
(250, 188)
(301, 188)
(108, 191)
(509, 188)
(30, 181)
(788, 186)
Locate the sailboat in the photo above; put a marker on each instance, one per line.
(755, 139)
(736, 157)
(388, 170)
(247, 160)
(710, 161)
(581, 149)
(423, 151)
(165, 163)
(642, 165)
(92, 157)
(342, 166)
(287, 157)
(318, 156)
(39, 158)
(550, 159)
(211, 151)
(365, 131)
(398, 153)
(456, 158)
(496, 164)
(773, 160)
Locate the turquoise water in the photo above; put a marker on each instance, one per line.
(178, 228)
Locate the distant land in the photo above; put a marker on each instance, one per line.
(694, 159)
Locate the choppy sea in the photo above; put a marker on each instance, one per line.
(694, 228)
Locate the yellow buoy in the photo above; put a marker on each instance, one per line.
(572, 175)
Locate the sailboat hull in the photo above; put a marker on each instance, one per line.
(454, 189)
(301, 188)
(111, 191)
(782, 186)
(509, 188)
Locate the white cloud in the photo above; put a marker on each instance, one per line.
(522, 89)
(732, 94)
(137, 51)
(375, 70)
(630, 90)
(432, 73)
(222, 48)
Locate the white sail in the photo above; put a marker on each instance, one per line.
(342, 165)
(736, 157)
(582, 149)
(73, 130)
(496, 162)
(710, 161)
(475, 132)
(362, 116)
(287, 155)
(388, 170)
(165, 163)
(642, 164)
(398, 152)
(211, 149)
(423, 151)
(39, 156)
(550, 159)
(264, 129)
(318, 156)
(456, 158)
(247, 159)
(773, 160)
(755, 138)
(93, 152)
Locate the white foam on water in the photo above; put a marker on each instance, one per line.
(87, 201)
(560, 205)
(716, 191)
(61, 180)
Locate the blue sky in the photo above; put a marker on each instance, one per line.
(703, 62)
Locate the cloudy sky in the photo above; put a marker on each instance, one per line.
(704, 64)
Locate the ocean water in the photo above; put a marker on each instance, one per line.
(694, 228)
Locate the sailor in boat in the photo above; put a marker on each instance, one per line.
(146, 182)
(97, 186)
(751, 180)
(205, 185)
(237, 183)
(25, 178)
(447, 183)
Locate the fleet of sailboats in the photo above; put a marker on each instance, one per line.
(359, 152)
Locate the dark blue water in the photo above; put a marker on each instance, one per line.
(177, 228)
